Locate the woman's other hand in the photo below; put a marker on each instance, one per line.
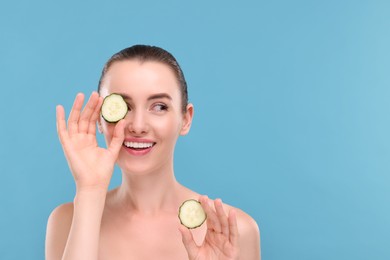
(222, 239)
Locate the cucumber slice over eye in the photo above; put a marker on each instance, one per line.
(191, 214)
(114, 108)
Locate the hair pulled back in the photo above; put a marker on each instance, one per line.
(145, 53)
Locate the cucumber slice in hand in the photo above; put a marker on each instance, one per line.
(114, 108)
(191, 214)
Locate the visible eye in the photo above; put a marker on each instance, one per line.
(159, 107)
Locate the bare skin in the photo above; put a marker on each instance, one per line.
(138, 219)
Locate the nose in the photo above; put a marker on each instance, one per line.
(137, 123)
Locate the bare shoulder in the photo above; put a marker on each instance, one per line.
(249, 234)
(58, 227)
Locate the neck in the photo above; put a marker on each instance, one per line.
(149, 193)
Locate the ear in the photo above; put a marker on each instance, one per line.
(187, 119)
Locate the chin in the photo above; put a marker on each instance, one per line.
(141, 167)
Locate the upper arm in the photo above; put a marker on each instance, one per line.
(249, 233)
(58, 227)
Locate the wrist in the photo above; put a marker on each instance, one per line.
(91, 189)
(96, 196)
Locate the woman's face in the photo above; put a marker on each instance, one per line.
(155, 118)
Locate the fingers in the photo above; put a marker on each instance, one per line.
(88, 113)
(223, 220)
(233, 236)
(95, 116)
(61, 124)
(74, 115)
(117, 139)
(213, 224)
(84, 121)
(220, 223)
(189, 243)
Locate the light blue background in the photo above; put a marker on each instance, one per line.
(292, 106)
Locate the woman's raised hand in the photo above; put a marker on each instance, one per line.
(91, 165)
(221, 241)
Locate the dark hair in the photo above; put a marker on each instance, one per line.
(150, 53)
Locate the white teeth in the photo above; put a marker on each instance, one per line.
(137, 145)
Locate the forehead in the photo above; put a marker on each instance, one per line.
(137, 78)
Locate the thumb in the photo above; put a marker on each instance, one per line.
(189, 243)
(117, 139)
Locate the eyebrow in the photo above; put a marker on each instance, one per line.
(160, 95)
(152, 97)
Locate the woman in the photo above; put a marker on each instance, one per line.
(138, 219)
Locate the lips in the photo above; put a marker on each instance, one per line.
(138, 147)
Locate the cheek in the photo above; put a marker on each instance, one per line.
(168, 128)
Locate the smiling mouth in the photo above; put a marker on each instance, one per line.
(138, 146)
